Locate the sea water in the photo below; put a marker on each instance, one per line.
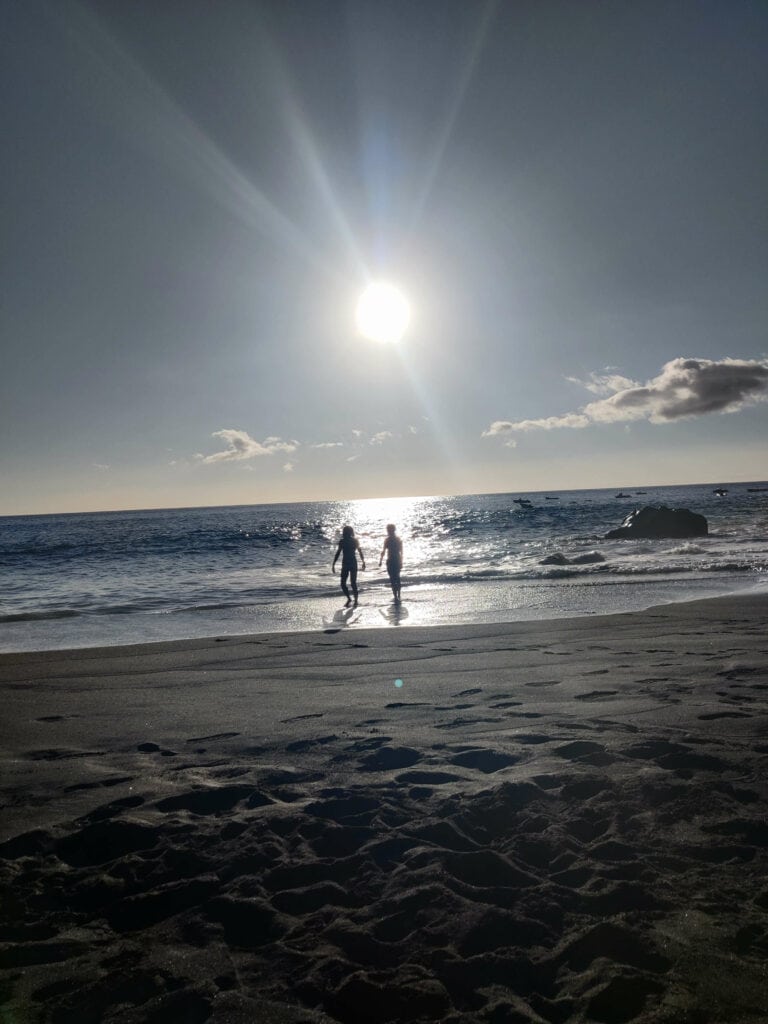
(89, 579)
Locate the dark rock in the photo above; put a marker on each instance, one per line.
(659, 521)
(587, 558)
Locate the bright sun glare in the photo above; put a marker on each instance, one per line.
(382, 313)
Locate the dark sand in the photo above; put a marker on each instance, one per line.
(550, 821)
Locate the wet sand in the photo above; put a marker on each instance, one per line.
(559, 821)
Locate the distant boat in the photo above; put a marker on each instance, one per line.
(754, 490)
(720, 491)
(622, 495)
(523, 502)
(641, 492)
(555, 498)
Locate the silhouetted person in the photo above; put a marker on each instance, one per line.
(393, 549)
(348, 547)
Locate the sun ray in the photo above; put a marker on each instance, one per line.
(154, 117)
(452, 113)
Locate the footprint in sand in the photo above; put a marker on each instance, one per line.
(458, 723)
(584, 750)
(483, 760)
(584, 789)
(596, 695)
(54, 754)
(372, 744)
(714, 715)
(214, 736)
(300, 745)
(388, 758)
(113, 808)
(104, 841)
(101, 784)
(214, 800)
(426, 778)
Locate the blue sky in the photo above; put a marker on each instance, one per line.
(572, 196)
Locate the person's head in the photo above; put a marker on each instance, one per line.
(347, 532)
(391, 529)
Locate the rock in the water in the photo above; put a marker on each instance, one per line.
(660, 521)
(558, 558)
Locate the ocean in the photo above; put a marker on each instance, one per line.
(102, 578)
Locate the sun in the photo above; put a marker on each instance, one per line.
(382, 313)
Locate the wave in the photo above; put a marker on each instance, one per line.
(589, 575)
(133, 545)
(68, 613)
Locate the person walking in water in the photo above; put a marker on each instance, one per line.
(393, 549)
(348, 548)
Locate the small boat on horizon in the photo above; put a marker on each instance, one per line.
(622, 495)
(720, 491)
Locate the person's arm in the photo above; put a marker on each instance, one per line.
(362, 556)
(383, 552)
(335, 558)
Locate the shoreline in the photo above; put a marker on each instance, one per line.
(542, 821)
(472, 603)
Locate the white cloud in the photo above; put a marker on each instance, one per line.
(684, 389)
(101, 466)
(604, 383)
(570, 419)
(288, 467)
(353, 458)
(381, 437)
(328, 444)
(241, 446)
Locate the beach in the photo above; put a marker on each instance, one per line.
(544, 821)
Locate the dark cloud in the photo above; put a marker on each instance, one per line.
(685, 388)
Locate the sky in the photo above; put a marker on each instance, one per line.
(571, 196)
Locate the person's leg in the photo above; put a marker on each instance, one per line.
(353, 582)
(392, 581)
(345, 591)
